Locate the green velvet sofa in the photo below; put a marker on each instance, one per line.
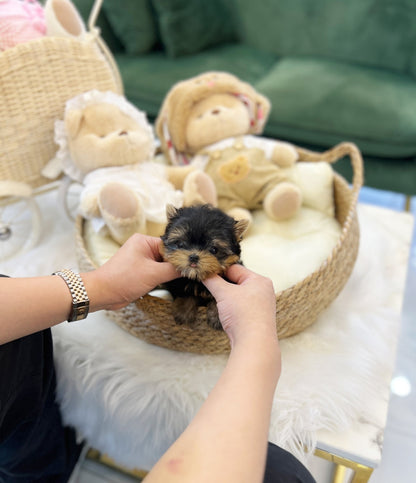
(334, 70)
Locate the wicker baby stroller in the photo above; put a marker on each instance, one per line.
(36, 80)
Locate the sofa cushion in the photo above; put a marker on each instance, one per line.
(134, 24)
(371, 32)
(148, 78)
(189, 26)
(323, 102)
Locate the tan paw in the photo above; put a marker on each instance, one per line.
(283, 201)
(199, 188)
(284, 155)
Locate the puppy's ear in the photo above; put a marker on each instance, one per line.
(240, 227)
(171, 212)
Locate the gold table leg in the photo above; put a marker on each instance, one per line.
(340, 472)
(95, 455)
(361, 474)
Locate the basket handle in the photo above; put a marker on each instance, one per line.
(334, 154)
(95, 10)
(95, 31)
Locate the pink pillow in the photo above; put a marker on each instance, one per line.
(20, 21)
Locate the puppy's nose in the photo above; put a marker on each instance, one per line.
(193, 258)
(215, 111)
(122, 133)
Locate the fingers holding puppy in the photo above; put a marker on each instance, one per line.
(246, 303)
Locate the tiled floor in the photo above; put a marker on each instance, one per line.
(400, 435)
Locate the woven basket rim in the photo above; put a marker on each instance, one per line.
(297, 307)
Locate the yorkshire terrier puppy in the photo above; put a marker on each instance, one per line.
(199, 241)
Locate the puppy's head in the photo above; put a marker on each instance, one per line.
(201, 240)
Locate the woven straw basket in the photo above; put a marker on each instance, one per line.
(150, 318)
(36, 80)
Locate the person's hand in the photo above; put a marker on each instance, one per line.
(246, 307)
(132, 272)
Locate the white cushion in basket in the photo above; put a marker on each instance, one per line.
(288, 251)
(284, 251)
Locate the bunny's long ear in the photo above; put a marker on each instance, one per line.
(240, 227)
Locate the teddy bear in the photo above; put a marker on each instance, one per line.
(212, 121)
(108, 146)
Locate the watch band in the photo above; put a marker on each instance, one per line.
(80, 300)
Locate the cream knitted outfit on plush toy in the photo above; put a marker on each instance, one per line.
(145, 179)
(313, 179)
(236, 169)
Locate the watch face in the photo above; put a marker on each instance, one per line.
(79, 311)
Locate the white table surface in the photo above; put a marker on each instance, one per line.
(363, 441)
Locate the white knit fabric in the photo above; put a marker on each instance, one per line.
(148, 181)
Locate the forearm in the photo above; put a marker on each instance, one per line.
(227, 439)
(28, 305)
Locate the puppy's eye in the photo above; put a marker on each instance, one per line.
(213, 250)
(178, 244)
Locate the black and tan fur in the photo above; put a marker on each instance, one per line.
(199, 241)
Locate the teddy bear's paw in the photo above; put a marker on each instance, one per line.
(122, 211)
(118, 201)
(122, 229)
(283, 201)
(284, 155)
(199, 188)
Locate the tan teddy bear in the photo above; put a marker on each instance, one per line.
(210, 120)
(108, 146)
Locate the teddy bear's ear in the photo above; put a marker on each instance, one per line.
(171, 212)
(262, 112)
(240, 227)
(73, 120)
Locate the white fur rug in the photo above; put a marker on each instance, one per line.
(131, 400)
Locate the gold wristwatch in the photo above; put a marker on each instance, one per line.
(80, 300)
